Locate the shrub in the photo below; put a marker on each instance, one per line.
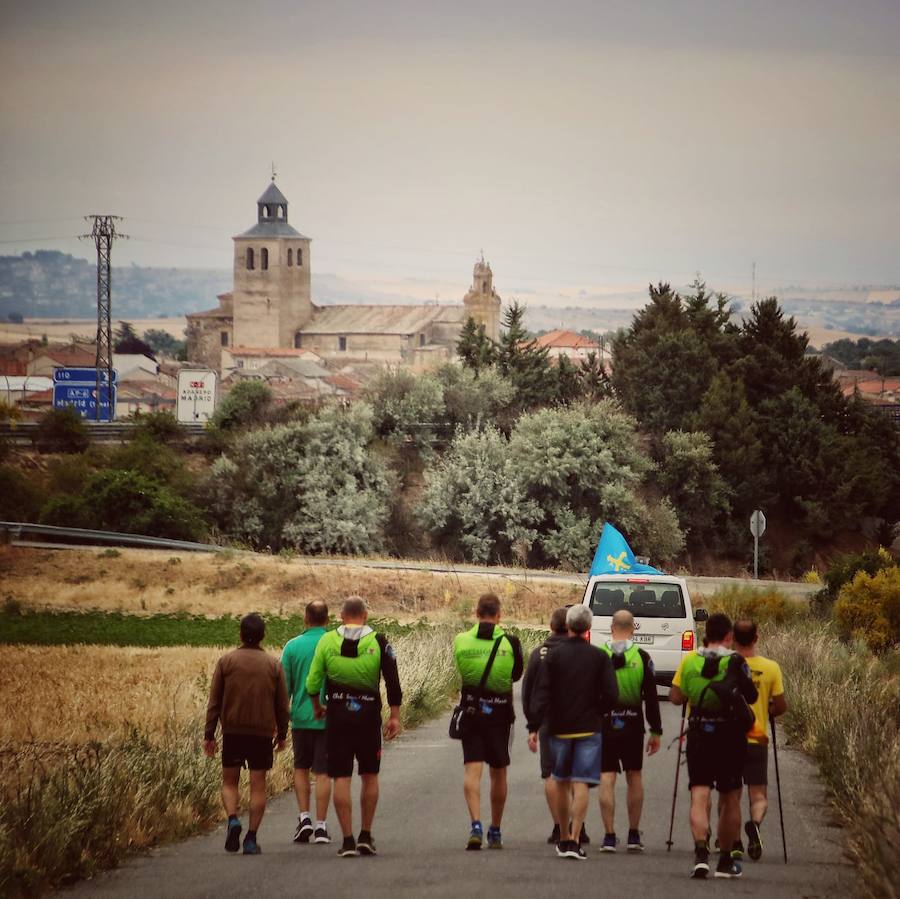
(403, 402)
(248, 403)
(868, 609)
(62, 431)
(476, 399)
(20, 498)
(765, 606)
(844, 568)
(161, 427)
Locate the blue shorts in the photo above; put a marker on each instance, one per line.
(576, 758)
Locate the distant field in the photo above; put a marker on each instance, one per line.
(149, 582)
(58, 329)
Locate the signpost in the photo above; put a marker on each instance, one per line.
(196, 395)
(77, 387)
(757, 528)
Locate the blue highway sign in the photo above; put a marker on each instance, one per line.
(83, 398)
(82, 375)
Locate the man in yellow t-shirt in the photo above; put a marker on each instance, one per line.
(766, 676)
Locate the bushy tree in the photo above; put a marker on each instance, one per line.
(62, 431)
(127, 341)
(474, 502)
(20, 497)
(476, 350)
(520, 359)
(315, 486)
(474, 400)
(406, 406)
(248, 404)
(688, 475)
(163, 343)
(868, 608)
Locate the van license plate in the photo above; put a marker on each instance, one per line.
(642, 638)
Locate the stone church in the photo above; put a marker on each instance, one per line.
(271, 306)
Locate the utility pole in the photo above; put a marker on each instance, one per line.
(754, 282)
(103, 234)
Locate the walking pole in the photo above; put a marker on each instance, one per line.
(677, 772)
(778, 785)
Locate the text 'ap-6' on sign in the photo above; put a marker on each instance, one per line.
(196, 395)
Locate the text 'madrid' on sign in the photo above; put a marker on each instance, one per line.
(77, 388)
(196, 395)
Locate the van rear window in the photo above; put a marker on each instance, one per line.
(646, 600)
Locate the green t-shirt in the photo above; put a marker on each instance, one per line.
(296, 659)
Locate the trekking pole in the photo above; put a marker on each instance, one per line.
(778, 785)
(677, 772)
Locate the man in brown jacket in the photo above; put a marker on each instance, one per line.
(248, 695)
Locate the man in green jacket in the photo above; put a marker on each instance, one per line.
(350, 662)
(489, 713)
(308, 732)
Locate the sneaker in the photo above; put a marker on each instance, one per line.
(320, 836)
(348, 848)
(251, 847)
(754, 840)
(609, 843)
(476, 838)
(570, 849)
(728, 867)
(304, 830)
(494, 840)
(233, 837)
(583, 838)
(635, 844)
(553, 839)
(737, 851)
(701, 863)
(365, 844)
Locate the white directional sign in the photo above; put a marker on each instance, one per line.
(758, 523)
(196, 395)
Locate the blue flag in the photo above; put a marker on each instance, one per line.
(614, 556)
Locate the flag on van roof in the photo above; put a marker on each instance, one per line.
(614, 556)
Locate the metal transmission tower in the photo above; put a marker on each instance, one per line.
(103, 234)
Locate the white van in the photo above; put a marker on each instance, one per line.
(663, 615)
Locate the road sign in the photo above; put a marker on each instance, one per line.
(758, 523)
(196, 395)
(82, 376)
(83, 398)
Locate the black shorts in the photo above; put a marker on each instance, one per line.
(310, 750)
(487, 743)
(360, 740)
(756, 767)
(622, 751)
(546, 754)
(245, 750)
(716, 757)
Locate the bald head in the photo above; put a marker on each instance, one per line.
(622, 627)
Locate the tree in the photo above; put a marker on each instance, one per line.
(163, 343)
(406, 406)
(569, 386)
(247, 404)
(474, 347)
(62, 431)
(475, 399)
(520, 359)
(688, 475)
(474, 502)
(595, 384)
(315, 486)
(127, 341)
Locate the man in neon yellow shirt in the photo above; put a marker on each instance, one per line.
(770, 703)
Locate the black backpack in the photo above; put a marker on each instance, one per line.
(732, 701)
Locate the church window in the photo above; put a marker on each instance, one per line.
(224, 338)
(298, 340)
(280, 212)
(250, 263)
(342, 343)
(290, 257)
(264, 259)
(299, 256)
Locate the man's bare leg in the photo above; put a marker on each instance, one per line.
(342, 805)
(579, 808)
(608, 800)
(368, 800)
(563, 809)
(231, 779)
(635, 798)
(472, 788)
(323, 796)
(301, 788)
(498, 795)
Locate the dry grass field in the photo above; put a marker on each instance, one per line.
(148, 582)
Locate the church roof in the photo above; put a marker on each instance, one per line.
(373, 319)
(273, 229)
(272, 195)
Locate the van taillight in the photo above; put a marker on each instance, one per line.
(687, 641)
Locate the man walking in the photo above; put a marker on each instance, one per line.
(770, 703)
(623, 730)
(350, 662)
(489, 713)
(248, 696)
(715, 680)
(308, 732)
(576, 686)
(558, 634)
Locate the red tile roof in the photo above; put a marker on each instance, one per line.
(567, 340)
(271, 352)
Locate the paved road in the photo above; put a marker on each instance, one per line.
(422, 825)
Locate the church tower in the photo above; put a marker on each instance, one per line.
(272, 297)
(482, 302)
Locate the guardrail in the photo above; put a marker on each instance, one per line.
(102, 431)
(13, 532)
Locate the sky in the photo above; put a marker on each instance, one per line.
(578, 144)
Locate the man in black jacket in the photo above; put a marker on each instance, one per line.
(558, 634)
(575, 687)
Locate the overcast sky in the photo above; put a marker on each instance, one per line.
(575, 142)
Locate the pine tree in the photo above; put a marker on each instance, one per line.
(474, 347)
(524, 362)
